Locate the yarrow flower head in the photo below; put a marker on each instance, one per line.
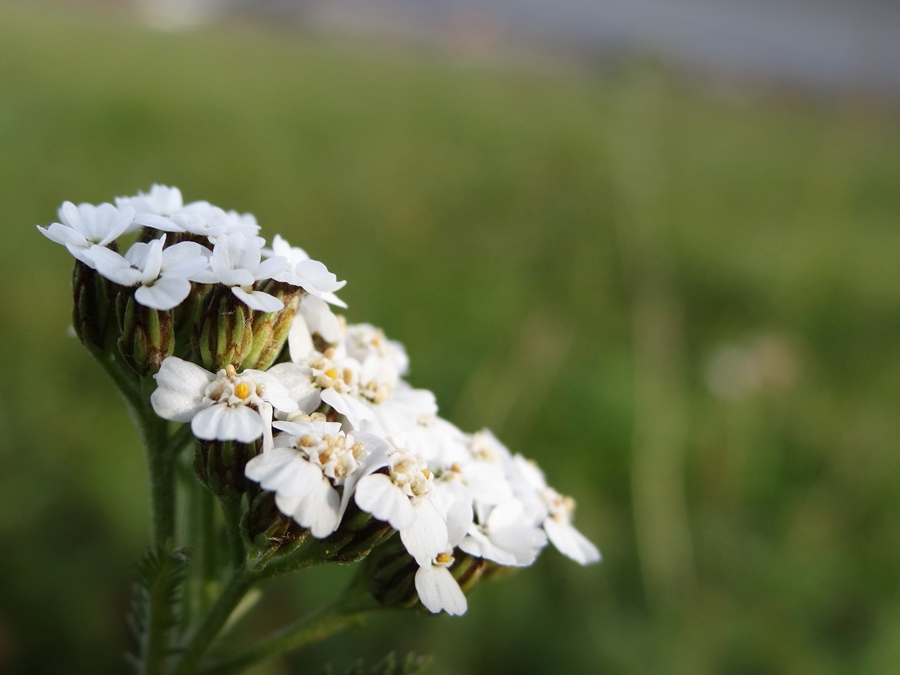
(310, 417)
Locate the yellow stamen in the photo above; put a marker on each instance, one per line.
(242, 390)
(444, 558)
(230, 370)
(329, 353)
(347, 375)
(306, 440)
(331, 373)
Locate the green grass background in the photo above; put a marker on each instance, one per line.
(501, 224)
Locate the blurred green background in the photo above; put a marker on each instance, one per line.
(684, 304)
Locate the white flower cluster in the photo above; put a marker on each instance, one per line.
(338, 422)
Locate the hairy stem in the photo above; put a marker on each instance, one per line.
(231, 595)
(231, 510)
(312, 628)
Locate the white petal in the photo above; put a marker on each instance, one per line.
(319, 511)
(157, 222)
(348, 405)
(117, 224)
(269, 268)
(300, 342)
(427, 536)
(315, 278)
(376, 457)
(296, 378)
(522, 541)
(229, 276)
(113, 266)
(275, 392)
(268, 468)
(510, 512)
(61, 234)
(320, 319)
(299, 429)
(153, 263)
(136, 255)
(459, 514)
(185, 259)
(438, 590)
(261, 302)
(487, 482)
(223, 423)
(180, 387)
(376, 494)
(332, 299)
(570, 542)
(165, 293)
(478, 545)
(286, 473)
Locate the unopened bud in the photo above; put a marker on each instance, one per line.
(93, 316)
(467, 570)
(148, 335)
(358, 534)
(267, 527)
(392, 579)
(223, 331)
(220, 466)
(270, 330)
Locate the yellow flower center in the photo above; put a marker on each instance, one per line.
(242, 390)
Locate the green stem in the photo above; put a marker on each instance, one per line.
(313, 628)
(231, 510)
(232, 594)
(209, 569)
(154, 432)
(308, 554)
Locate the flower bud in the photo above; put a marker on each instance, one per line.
(93, 317)
(148, 335)
(468, 570)
(220, 466)
(186, 316)
(270, 330)
(392, 579)
(266, 526)
(223, 331)
(357, 535)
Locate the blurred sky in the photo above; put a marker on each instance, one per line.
(824, 44)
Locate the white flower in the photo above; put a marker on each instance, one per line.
(87, 225)
(505, 534)
(325, 378)
(437, 441)
(311, 275)
(302, 469)
(383, 360)
(404, 498)
(236, 262)
(225, 406)
(155, 208)
(558, 520)
(438, 589)
(161, 274)
(396, 410)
